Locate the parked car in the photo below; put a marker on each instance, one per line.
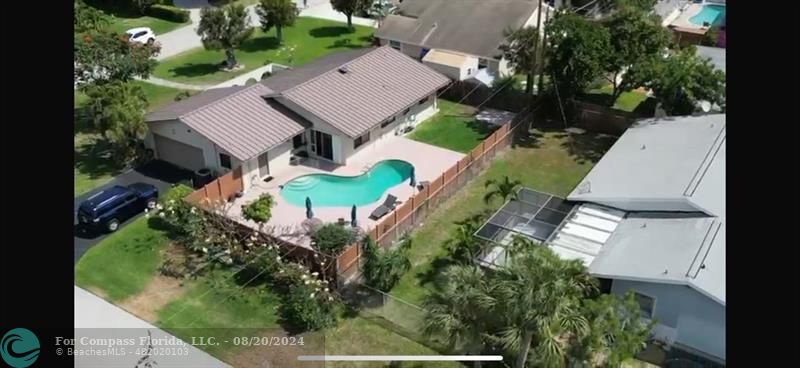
(109, 208)
(143, 35)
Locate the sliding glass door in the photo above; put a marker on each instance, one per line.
(322, 144)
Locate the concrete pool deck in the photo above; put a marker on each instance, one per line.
(286, 222)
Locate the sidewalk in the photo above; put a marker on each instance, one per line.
(96, 318)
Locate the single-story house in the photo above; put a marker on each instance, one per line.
(648, 217)
(328, 109)
(460, 39)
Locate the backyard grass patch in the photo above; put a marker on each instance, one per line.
(358, 336)
(310, 37)
(628, 101)
(552, 162)
(123, 263)
(454, 127)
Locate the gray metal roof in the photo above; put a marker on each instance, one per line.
(715, 54)
(242, 123)
(362, 93)
(474, 27)
(659, 160)
(685, 251)
(289, 78)
(185, 106)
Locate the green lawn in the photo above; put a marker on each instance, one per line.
(93, 164)
(311, 37)
(120, 24)
(358, 336)
(122, 264)
(546, 162)
(453, 127)
(627, 101)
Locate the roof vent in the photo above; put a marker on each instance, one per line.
(585, 187)
(666, 271)
(643, 147)
(343, 70)
(644, 225)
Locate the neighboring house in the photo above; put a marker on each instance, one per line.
(649, 217)
(460, 39)
(715, 54)
(329, 109)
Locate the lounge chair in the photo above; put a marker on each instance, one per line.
(386, 207)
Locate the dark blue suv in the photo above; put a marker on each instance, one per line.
(110, 207)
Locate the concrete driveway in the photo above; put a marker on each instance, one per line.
(157, 173)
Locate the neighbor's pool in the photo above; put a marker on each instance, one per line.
(713, 14)
(327, 190)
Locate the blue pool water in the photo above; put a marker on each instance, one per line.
(713, 14)
(344, 191)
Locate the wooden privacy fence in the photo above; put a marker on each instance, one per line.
(416, 208)
(220, 189)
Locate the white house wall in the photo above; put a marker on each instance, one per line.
(177, 130)
(278, 156)
(697, 321)
(378, 134)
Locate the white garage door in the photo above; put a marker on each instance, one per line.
(178, 153)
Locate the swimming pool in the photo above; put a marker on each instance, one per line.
(327, 190)
(711, 14)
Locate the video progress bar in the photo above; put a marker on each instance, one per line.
(398, 358)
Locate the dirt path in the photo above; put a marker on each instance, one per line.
(160, 291)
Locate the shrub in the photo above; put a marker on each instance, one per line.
(144, 5)
(384, 268)
(183, 95)
(308, 304)
(169, 13)
(332, 238)
(259, 210)
(179, 216)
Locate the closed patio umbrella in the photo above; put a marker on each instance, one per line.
(353, 216)
(309, 212)
(412, 180)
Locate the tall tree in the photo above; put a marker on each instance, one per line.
(350, 7)
(635, 36)
(277, 14)
(116, 110)
(383, 268)
(540, 296)
(679, 81)
(459, 311)
(576, 54)
(462, 244)
(103, 56)
(224, 29)
(616, 332)
(87, 18)
(505, 189)
(520, 50)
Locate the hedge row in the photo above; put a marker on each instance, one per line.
(170, 13)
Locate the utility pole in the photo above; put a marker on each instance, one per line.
(540, 65)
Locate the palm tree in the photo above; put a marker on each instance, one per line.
(541, 304)
(505, 189)
(462, 244)
(458, 310)
(383, 268)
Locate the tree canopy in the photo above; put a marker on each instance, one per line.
(680, 80)
(103, 56)
(521, 50)
(116, 110)
(277, 14)
(224, 29)
(350, 7)
(634, 36)
(576, 52)
(539, 307)
(87, 18)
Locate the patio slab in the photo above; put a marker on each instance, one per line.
(286, 222)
